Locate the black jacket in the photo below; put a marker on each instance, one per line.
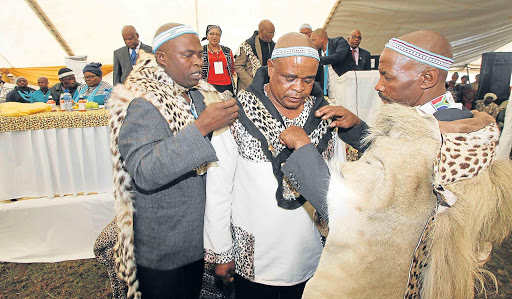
(14, 96)
(365, 63)
(339, 56)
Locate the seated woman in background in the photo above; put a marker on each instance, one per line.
(218, 67)
(94, 89)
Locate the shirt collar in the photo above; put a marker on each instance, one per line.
(136, 48)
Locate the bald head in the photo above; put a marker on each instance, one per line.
(430, 41)
(408, 81)
(294, 39)
(354, 38)
(320, 32)
(42, 82)
(181, 57)
(163, 28)
(266, 30)
(291, 77)
(320, 38)
(130, 36)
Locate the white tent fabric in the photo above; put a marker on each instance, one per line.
(93, 27)
(473, 27)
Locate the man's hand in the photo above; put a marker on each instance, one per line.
(226, 272)
(467, 125)
(294, 137)
(341, 116)
(216, 116)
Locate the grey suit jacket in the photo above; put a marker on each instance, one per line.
(169, 197)
(123, 63)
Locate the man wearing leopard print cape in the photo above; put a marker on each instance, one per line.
(258, 220)
(160, 125)
(254, 53)
(416, 215)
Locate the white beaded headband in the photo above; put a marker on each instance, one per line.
(305, 26)
(170, 34)
(419, 54)
(295, 51)
(66, 74)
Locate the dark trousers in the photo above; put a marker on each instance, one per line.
(245, 289)
(180, 283)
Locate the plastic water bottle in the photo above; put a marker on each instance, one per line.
(107, 95)
(62, 104)
(66, 97)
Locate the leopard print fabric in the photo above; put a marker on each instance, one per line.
(465, 155)
(461, 156)
(149, 81)
(243, 247)
(271, 128)
(255, 62)
(54, 120)
(419, 261)
(103, 251)
(250, 148)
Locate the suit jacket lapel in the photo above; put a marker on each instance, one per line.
(126, 55)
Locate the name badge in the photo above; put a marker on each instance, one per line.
(218, 67)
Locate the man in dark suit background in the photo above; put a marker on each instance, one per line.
(361, 56)
(335, 58)
(125, 57)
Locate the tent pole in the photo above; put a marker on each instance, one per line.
(197, 19)
(50, 26)
(333, 10)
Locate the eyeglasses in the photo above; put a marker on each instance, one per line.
(357, 36)
(90, 77)
(213, 34)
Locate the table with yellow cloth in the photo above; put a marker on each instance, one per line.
(51, 153)
(45, 155)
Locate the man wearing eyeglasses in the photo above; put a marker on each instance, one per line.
(361, 56)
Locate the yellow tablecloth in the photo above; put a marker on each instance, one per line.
(55, 120)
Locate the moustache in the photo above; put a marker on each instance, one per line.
(385, 98)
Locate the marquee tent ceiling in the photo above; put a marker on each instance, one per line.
(92, 27)
(473, 27)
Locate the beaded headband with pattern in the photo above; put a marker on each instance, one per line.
(170, 34)
(305, 26)
(295, 51)
(419, 54)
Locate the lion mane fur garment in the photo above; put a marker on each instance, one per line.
(380, 204)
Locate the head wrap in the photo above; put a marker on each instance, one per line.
(490, 95)
(20, 77)
(419, 54)
(171, 33)
(64, 72)
(95, 68)
(305, 26)
(295, 51)
(210, 27)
